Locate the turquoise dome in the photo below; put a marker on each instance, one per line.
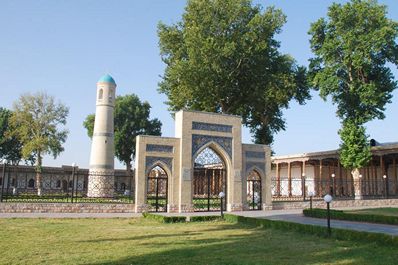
(107, 79)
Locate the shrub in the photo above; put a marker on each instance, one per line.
(205, 218)
(341, 215)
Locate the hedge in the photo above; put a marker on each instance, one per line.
(180, 219)
(337, 233)
(204, 218)
(341, 215)
(165, 219)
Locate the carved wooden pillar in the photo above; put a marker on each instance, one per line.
(278, 180)
(289, 176)
(319, 182)
(303, 189)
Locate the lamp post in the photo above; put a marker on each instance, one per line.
(3, 179)
(221, 195)
(73, 179)
(385, 186)
(333, 184)
(328, 199)
(311, 194)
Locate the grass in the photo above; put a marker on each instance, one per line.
(143, 241)
(376, 211)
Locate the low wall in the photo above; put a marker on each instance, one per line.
(335, 204)
(11, 207)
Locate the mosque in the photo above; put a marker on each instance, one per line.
(207, 160)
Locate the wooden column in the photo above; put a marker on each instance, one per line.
(394, 168)
(289, 176)
(303, 189)
(278, 180)
(319, 182)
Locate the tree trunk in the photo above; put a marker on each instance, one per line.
(38, 174)
(357, 183)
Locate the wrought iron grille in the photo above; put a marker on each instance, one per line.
(208, 181)
(21, 185)
(157, 190)
(298, 189)
(254, 190)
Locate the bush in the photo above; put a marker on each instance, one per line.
(204, 218)
(341, 215)
(165, 219)
(342, 234)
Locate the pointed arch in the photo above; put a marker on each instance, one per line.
(157, 187)
(254, 189)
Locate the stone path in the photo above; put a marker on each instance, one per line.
(296, 216)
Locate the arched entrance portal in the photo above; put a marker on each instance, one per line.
(157, 190)
(254, 190)
(208, 181)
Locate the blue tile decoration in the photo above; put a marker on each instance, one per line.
(253, 154)
(159, 148)
(259, 165)
(151, 160)
(199, 140)
(211, 127)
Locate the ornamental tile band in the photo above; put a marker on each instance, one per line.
(151, 160)
(253, 154)
(159, 148)
(200, 140)
(202, 126)
(259, 165)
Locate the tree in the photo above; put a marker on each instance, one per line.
(223, 57)
(35, 123)
(352, 50)
(10, 147)
(131, 119)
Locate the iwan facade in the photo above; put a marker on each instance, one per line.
(187, 173)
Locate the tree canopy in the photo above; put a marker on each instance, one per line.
(223, 57)
(35, 122)
(131, 119)
(352, 48)
(10, 147)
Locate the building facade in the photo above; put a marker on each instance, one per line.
(295, 177)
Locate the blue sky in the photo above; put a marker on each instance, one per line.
(64, 47)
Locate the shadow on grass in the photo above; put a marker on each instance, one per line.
(258, 246)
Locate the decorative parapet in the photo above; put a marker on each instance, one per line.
(211, 127)
(159, 148)
(199, 140)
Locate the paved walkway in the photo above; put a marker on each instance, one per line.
(296, 216)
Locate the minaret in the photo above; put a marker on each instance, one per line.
(101, 174)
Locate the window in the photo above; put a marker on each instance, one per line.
(110, 95)
(58, 184)
(100, 94)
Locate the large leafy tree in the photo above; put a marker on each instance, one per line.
(37, 122)
(223, 57)
(352, 48)
(10, 147)
(131, 119)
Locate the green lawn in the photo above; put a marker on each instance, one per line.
(143, 241)
(377, 211)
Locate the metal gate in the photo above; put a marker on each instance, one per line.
(157, 190)
(254, 191)
(208, 183)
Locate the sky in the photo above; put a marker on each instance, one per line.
(63, 47)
